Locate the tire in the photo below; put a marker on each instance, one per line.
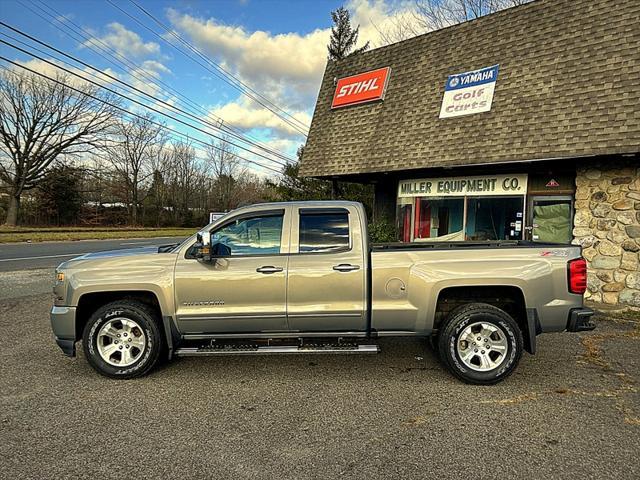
(473, 363)
(123, 323)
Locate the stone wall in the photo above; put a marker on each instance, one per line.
(607, 225)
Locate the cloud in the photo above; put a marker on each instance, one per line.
(126, 42)
(259, 55)
(145, 60)
(384, 22)
(286, 68)
(53, 72)
(246, 114)
(142, 77)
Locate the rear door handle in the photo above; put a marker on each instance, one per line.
(346, 267)
(269, 269)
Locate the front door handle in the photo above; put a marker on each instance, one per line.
(346, 267)
(269, 269)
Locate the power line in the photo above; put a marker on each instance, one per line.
(115, 79)
(215, 64)
(160, 112)
(93, 43)
(112, 105)
(217, 74)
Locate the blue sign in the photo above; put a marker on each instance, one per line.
(472, 79)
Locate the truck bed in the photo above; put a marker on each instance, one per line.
(467, 245)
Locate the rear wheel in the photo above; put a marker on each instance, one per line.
(480, 343)
(122, 339)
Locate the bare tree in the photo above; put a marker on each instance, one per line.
(41, 122)
(131, 152)
(225, 166)
(187, 173)
(429, 15)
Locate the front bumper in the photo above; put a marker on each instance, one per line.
(580, 320)
(63, 324)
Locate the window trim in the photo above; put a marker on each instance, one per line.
(279, 212)
(310, 211)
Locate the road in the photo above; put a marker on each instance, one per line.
(571, 411)
(18, 256)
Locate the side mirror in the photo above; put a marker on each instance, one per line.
(203, 252)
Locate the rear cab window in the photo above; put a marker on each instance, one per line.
(323, 231)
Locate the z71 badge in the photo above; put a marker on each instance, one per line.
(554, 253)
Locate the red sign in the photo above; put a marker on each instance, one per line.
(361, 88)
(552, 183)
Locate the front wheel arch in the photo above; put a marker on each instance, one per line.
(90, 302)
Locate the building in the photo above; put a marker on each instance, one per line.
(524, 124)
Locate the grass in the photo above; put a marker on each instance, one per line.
(45, 234)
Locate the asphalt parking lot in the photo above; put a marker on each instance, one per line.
(573, 410)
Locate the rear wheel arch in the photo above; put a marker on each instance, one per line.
(509, 298)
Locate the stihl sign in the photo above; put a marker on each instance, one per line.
(361, 88)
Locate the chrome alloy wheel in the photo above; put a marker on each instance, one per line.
(121, 342)
(482, 346)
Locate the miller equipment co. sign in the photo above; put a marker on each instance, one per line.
(361, 88)
(479, 186)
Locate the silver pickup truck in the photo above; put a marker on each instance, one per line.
(302, 278)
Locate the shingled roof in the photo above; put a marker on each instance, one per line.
(568, 86)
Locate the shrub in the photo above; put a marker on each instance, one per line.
(382, 232)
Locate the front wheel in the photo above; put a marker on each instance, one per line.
(122, 339)
(480, 343)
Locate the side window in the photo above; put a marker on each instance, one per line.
(259, 235)
(324, 232)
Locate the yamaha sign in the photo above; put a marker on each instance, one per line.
(469, 92)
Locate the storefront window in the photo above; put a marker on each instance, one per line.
(494, 218)
(462, 208)
(439, 219)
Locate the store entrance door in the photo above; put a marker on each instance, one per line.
(551, 218)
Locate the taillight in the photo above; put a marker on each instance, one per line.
(578, 276)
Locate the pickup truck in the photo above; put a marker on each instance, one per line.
(301, 277)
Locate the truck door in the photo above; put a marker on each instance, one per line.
(244, 291)
(326, 283)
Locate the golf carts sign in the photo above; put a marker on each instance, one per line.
(469, 92)
(361, 88)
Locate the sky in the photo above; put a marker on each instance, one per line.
(275, 47)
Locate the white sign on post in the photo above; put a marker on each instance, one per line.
(469, 92)
(213, 216)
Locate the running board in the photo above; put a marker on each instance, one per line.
(274, 350)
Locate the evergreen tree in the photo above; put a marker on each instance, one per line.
(60, 197)
(343, 36)
(293, 187)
